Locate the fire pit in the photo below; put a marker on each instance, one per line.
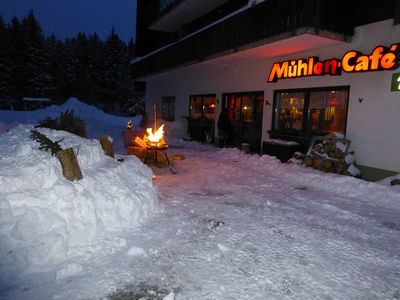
(154, 143)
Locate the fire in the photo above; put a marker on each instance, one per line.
(157, 136)
(151, 139)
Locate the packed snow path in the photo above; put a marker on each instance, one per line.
(242, 227)
(237, 226)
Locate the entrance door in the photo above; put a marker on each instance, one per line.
(245, 114)
(201, 117)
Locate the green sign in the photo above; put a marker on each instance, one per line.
(395, 82)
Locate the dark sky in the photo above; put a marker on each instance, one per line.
(65, 18)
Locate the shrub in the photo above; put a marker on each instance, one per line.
(67, 122)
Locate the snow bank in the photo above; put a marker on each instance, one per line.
(44, 217)
(386, 181)
(98, 122)
(338, 184)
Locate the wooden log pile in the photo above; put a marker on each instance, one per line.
(330, 154)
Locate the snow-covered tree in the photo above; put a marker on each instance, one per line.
(95, 63)
(5, 61)
(15, 55)
(117, 78)
(36, 64)
(61, 68)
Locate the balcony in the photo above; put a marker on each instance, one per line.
(169, 15)
(266, 24)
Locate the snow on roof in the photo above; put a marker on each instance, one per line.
(33, 99)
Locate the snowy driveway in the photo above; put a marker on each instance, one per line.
(236, 226)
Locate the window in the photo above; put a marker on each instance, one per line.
(327, 111)
(310, 111)
(168, 108)
(201, 117)
(202, 106)
(289, 112)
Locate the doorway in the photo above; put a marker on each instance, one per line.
(245, 111)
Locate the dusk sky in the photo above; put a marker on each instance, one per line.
(65, 18)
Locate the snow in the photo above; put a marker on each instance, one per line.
(386, 181)
(282, 142)
(98, 122)
(227, 225)
(46, 218)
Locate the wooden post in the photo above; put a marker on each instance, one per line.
(107, 146)
(155, 117)
(69, 164)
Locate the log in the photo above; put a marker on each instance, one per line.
(69, 164)
(327, 166)
(308, 161)
(129, 136)
(140, 152)
(395, 182)
(107, 146)
(316, 162)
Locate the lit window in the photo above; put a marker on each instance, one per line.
(307, 112)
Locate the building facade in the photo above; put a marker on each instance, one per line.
(277, 70)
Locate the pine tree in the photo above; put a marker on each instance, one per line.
(95, 63)
(16, 54)
(5, 62)
(58, 68)
(117, 82)
(81, 66)
(37, 66)
(68, 53)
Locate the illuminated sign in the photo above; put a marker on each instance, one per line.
(395, 82)
(381, 58)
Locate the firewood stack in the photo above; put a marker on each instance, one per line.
(330, 154)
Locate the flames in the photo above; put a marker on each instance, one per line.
(157, 136)
(152, 139)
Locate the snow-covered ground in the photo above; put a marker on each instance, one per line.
(227, 225)
(98, 122)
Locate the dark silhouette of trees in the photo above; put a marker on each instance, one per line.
(95, 71)
(38, 80)
(5, 61)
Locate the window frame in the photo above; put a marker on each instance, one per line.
(306, 115)
(202, 96)
(167, 100)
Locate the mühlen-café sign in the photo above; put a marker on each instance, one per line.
(381, 58)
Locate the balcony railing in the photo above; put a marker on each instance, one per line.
(154, 9)
(258, 23)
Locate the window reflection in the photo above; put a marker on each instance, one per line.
(328, 111)
(321, 110)
(289, 112)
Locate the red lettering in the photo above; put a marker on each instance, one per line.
(278, 71)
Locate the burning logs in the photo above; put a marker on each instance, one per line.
(152, 148)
